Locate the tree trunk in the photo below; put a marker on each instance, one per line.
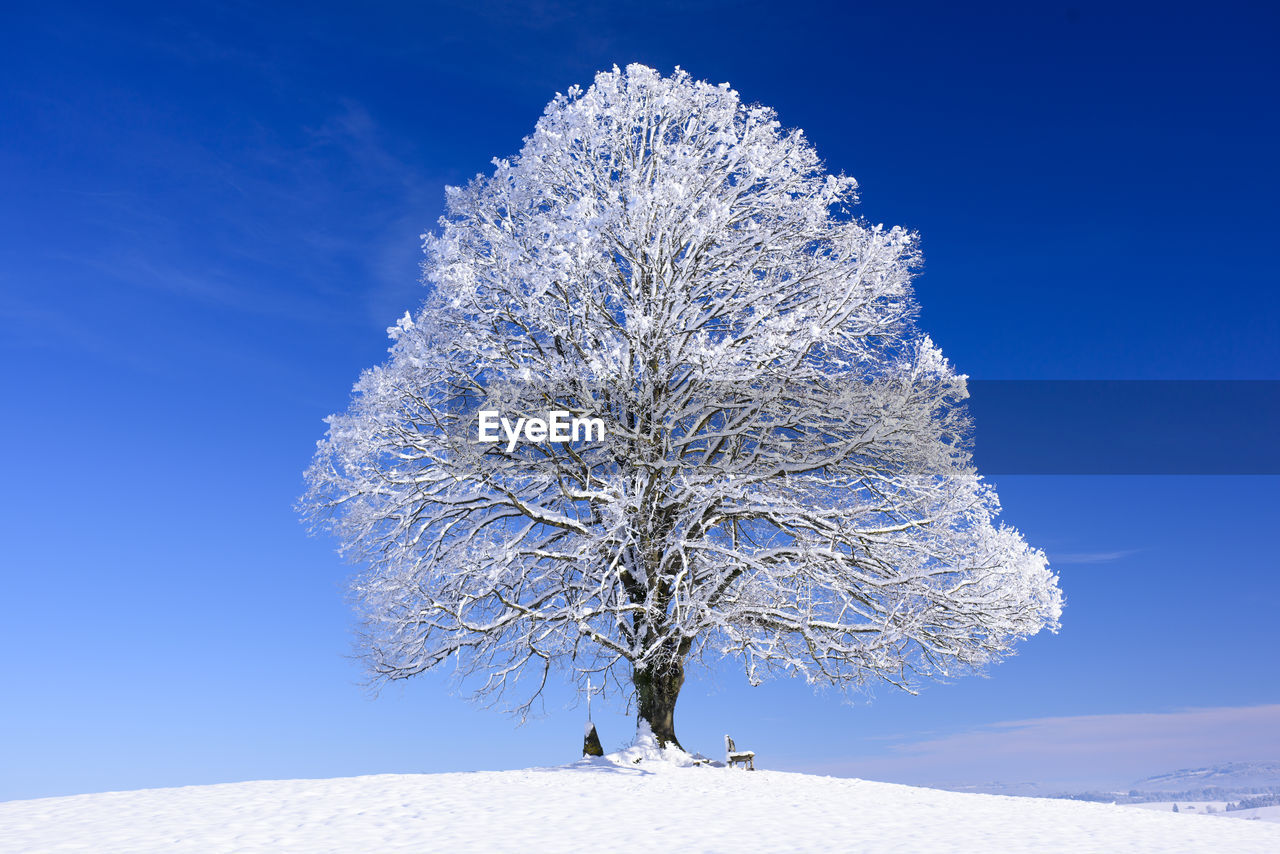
(657, 687)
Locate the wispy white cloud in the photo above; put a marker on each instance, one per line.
(1091, 557)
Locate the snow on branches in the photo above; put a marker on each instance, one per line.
(784, 477)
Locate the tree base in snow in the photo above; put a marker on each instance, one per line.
(648, 749)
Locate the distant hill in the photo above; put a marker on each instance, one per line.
(1232, 775)
(1231, 781)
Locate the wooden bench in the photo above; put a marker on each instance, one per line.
(733, 755)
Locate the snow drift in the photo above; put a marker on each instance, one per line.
(601, 805)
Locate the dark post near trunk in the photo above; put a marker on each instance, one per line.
(591, 742)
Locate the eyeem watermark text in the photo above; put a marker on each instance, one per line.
(559, 426)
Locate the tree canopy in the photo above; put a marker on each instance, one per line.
(785, 476)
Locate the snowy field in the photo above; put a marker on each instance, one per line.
(602, 806)
(1218, 808)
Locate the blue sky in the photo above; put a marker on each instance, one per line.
(211, 214)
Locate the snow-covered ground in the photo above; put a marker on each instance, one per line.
(603, 805)
(1271, 814)
(1184, 806)
(1218, 808)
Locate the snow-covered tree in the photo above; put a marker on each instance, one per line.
(783, 477)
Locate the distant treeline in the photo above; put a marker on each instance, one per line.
(1272, 800)
(1265, 796)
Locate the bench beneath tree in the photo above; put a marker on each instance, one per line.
(733, 755)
